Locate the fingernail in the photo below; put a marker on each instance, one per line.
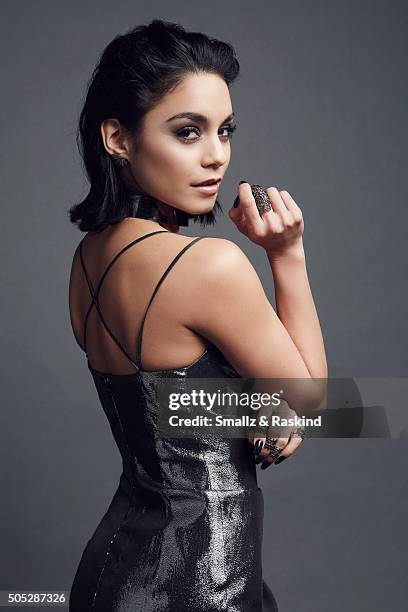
(280, 459)
(240, 182)
(256, 447)
(236, 202)
(258, 460)
(265, 464)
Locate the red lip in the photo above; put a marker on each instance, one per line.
(212, 181)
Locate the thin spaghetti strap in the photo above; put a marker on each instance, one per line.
(169, 267)
(95, 294)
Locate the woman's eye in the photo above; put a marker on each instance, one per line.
(230, 129)
(185, 132)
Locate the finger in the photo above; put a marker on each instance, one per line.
(236, 215)
(258, 448)
(279, 205)
(253, 438)
(289, 450)
(291, 446)
(258, 443)
(239, 220)
(249, 208)
(286, 452)
(291, 204)
(272, 221)
(265, 453)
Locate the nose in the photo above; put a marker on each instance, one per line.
(216, 153)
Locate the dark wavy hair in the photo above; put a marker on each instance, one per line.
(134, 72)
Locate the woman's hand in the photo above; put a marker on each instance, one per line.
(285, 438)
(278, 230)
(288, 446)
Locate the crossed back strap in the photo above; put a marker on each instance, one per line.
(136, 362)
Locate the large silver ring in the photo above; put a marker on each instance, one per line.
(274, 450)
(261, 197)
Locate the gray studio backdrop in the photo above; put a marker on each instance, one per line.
(321, 105)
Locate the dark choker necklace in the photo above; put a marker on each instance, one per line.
(146, 207)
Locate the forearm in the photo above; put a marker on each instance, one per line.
(296, 309)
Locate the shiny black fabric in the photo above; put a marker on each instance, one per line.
(183, 532)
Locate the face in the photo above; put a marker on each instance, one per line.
(173, 154)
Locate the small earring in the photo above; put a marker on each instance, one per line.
(120, 161)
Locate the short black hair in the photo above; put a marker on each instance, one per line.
(134, 72)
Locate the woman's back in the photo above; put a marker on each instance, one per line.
(127, 284)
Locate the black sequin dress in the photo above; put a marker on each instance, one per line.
(183, 532)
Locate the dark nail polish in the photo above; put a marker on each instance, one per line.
(280, 459)
(258, 447)
(240, 182)
(236, 202)
(265, 464)
(258, 460)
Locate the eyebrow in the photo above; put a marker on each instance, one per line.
(197, 117)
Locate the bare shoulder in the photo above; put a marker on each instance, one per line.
(220, 255)
(219, 272)
(224, 266)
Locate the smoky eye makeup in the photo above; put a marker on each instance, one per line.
(185, 132)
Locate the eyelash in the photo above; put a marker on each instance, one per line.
(192, 128)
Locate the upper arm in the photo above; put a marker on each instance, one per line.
(233, 312)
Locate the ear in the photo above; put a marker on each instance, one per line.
(114, 138)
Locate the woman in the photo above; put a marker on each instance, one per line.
(184, 529)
